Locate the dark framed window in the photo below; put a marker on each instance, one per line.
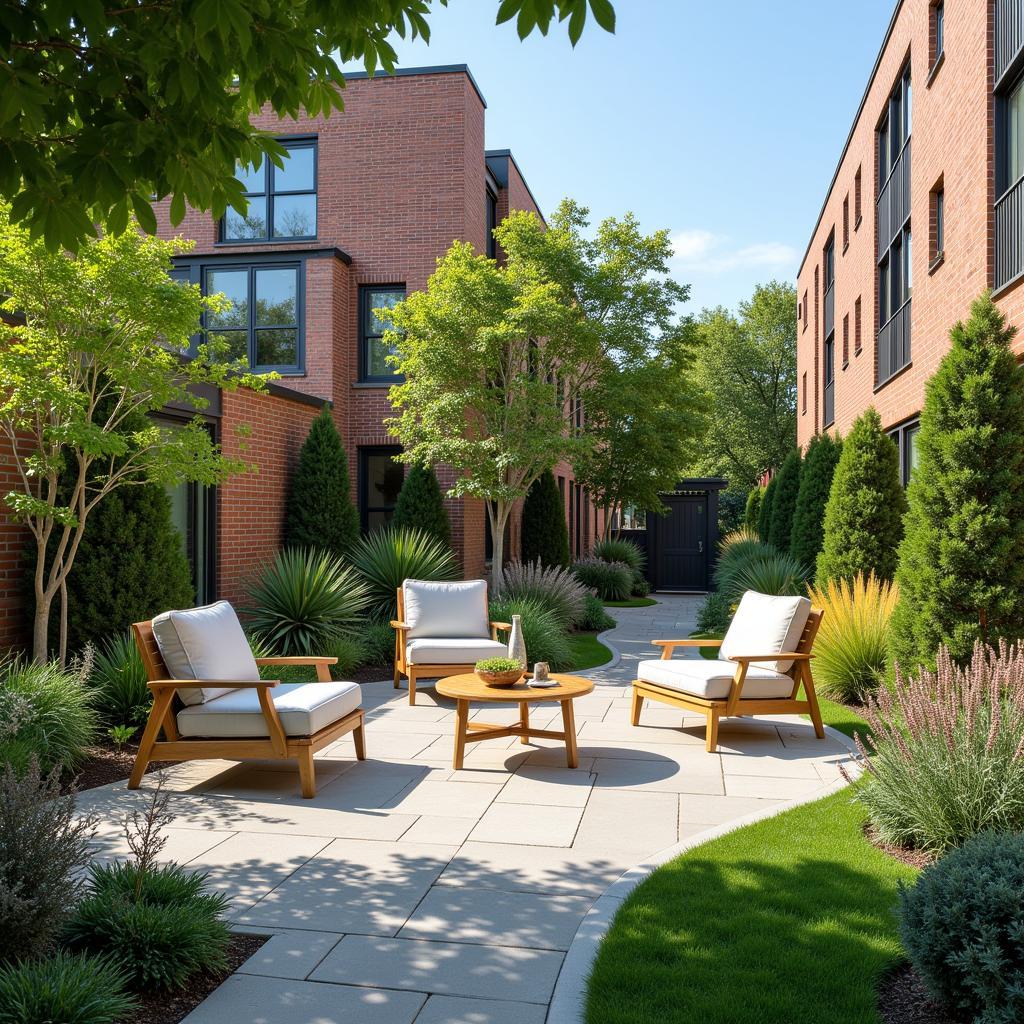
(938, 212)
(803, 394)
(829, 360)
(846, 339)
(380, 480)
(373, 352)
(894, 130)
(938, 31)
(805, 310)
(846, 223)
(905, 439)
(856, 199)
(492, 223)
(282, 200)
(264, 321)
(857, 345)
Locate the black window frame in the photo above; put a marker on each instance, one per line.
(938, 32)
(365, 318)
(491, 221)
(365, 453)
(829, 346)
(269, 193)
(903, 437)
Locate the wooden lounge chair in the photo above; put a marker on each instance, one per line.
(766, 658)
(209, 701)
(443, 629)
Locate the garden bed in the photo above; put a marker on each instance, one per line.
(903, 999)
(106, 764)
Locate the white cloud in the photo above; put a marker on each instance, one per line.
(700, 250)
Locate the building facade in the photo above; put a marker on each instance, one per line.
(924, 213)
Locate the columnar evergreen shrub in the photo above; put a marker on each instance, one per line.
(808, 532)
(544, 534)
(787, 487)
(421, 506)
(752, 512)
(320, 512)
(864, 514)
(764, 516)
(961, 567)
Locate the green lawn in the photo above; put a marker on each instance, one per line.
(588, 651)
(787, 920)
(633, 602)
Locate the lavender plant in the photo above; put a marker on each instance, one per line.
(554, 586)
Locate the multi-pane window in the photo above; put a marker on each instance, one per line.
(895, 128)
(1014, 135)
(262, 323)
(380, 481)
(373, 349)
(282, 200)
(905, 439)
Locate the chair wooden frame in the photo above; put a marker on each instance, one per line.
(277, 746)
(414, 672)
(734, 706)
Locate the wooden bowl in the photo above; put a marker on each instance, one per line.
(500, 680)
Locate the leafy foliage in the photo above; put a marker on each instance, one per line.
(545, 637)
(714, 614)
(320, 512)
(752, 511)
(961, 564)
(944, 760)
(44, 849)
(304, 599)
(852, 645)
(613, 581)
(808, 531)
(787, 487)
(731, 511)
(544, 536)
(595, 617)
(65, 988)
(498, 665)
(74, 150)
(864, 515)
(554, 587)
(118, 681)
(749, 565)
(388, 557)
(380, 642)
(962, 925)
(420, 505)
(764, 516)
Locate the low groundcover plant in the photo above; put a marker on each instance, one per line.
(498, 665)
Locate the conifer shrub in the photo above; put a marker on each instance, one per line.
(764, 515)
(544, 534)
(808, 531)
(420, 505)
(752, 511)
(787, 487)
(961, 563)
(866, 503)
(319, 512)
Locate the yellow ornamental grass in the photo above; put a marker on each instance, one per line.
(742, 535)
(852, 644)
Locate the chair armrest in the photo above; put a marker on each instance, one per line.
(400, 626)
(689, 642)
(783, 656)
(298, 659)
(501, 625)
(223, 684)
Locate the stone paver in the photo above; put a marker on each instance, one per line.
(406, 891)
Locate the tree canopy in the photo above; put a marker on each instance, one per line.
(106, 107)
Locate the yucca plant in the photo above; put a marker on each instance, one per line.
(545, 637)
(388, 557)
(851, 648)
(945, 758)
(764, 570)
(118, 681)
(303, 599)
(555, 587)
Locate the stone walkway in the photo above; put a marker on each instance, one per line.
(406, 891)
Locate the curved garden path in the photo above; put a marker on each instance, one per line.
(408, 892)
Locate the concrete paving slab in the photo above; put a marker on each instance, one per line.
(290, 954)
(452, 1010)
(528, 826)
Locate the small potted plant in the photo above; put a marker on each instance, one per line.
(499, 672)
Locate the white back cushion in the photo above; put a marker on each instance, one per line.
(204, 643)
(764, 624)
(446, 610)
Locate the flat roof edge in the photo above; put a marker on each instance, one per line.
(508, 155)
(430, 69)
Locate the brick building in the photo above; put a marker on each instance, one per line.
(925, 211)
(367, 202)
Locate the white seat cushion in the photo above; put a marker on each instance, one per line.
(445, 609)
(764, 624)
(712, 679)
(453, 651)
(204, 643)
(305, 708)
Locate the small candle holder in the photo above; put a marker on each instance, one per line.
(540, 672)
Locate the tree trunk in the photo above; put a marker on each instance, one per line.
(41, 629)
(62, 650)
(498, 512)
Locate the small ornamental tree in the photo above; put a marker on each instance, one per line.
(764, 516)
(815, 483)
(544, 534)
(420, 505)
(99, 341)
(961, 567)
(752, 511)
(787, 487)
(320, 512)
(864, 515)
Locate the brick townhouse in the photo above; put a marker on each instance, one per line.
(925, 211)
(366, 203)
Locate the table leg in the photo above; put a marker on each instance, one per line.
(461, 728)
(572, 757)
(524, 722)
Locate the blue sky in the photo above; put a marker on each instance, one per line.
(721, 121)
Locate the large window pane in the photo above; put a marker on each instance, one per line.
(297, 175)
(235, 285)
(382, 300)
(373, 328)
(252, 225)
(380, 481)
(1015, 135)
(253, 179)
(237, 342)
(376, 358)
(275, 296)
(294, 216)
(277, 346)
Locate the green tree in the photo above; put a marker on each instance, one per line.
(421, 506)
(320, 512)
(107, 106)
(815, 483)
(80, 372)
(545, 536)
(787, 487)
(746, 367)
(866, 504)
(752, 511)
(764, 516)
(961, 566)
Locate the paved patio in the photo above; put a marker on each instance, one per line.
(406, 891)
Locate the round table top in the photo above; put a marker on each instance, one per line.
(470, 687)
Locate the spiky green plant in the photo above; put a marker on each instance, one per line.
(625, 551)
(545, 637)
(556, 588)
(595, 617)
(766, 571)
(118, 681)
(613, 581)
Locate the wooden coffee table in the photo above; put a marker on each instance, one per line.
(467, 689)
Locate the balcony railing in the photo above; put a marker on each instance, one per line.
(1009, 33)
(1010, 234)
(893, 351)
(830, 309)
(894, 202)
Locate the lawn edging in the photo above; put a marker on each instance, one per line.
(569, 996)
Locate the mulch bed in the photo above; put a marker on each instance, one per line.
(903, 999)
(105, 764)
(169, 1008)
(904, 854)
